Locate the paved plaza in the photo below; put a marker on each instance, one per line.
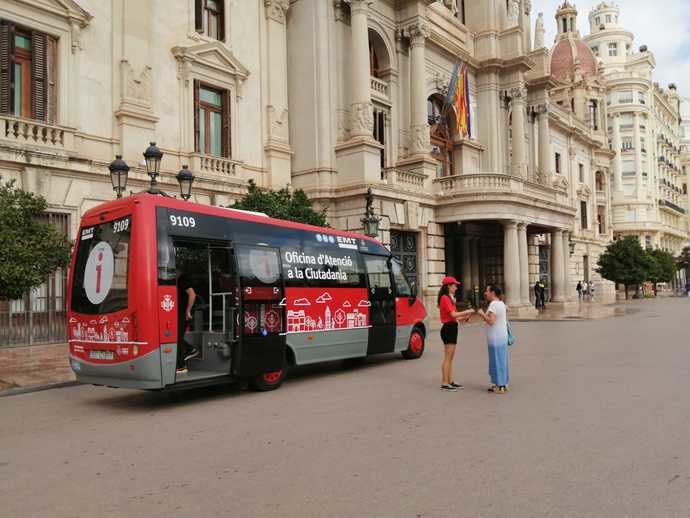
(597, 424)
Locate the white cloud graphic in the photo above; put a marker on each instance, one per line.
(347, 304)
(364, 304)
(323, 298)
(301, 302)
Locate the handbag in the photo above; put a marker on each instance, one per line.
(511, 337)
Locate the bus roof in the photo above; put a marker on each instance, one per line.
(210, 210)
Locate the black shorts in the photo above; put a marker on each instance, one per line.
(449, 333)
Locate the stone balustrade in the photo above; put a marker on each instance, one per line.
(495, 183)
(215, 165)
(379, 88)
(405, 179)
(36, 133)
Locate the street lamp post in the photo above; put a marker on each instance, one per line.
(118, 175)
(370, 221)
(185, 178)
(153, 157)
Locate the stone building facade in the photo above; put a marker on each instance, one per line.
(644, 130)
(332, 96)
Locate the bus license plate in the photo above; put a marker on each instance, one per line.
(101, 355)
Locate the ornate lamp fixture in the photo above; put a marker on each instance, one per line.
(153, 157)
(370, 221)
(118, 175)
(185, 178)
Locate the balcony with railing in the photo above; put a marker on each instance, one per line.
(215, 165)
(404, 179)
(495, 183)
(379, 88)
(35, 133)
(670, 205)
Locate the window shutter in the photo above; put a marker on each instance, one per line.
(38, 73)
(6, 66)
(196, 117)
(221, 21)
(227, 146)
(51, 78)
(199, 15)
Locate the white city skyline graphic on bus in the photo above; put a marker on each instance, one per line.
(331, 317)
(93, 331)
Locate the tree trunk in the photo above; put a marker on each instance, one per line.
(626, 292)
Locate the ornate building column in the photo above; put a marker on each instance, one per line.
(617, 164)
(637, 143)
(524, 263)
(277, 146)
(545, 154)
(557, 266)
(518, 97)
(362, 114)
(511, 263)
(417, 33)
(566, 266)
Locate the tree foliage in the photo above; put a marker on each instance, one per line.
(282, 204)
(624, 262)
(29, 249)
(661, 266)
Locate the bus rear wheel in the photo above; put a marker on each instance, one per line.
(415, 347)
(269, 380)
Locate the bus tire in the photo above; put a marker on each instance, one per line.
(415, 347)
(269, 380)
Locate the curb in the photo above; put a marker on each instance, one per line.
(36, 388)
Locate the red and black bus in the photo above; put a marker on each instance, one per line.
(270, 294)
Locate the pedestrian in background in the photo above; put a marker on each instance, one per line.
(496, 320)
(579, 289)
(450, 317)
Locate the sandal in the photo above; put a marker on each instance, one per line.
(492, 388)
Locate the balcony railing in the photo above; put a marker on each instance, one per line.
(36, 133)
(402, 178)
(671, 205)
(493, 183)
(379, 87)
(215, 165)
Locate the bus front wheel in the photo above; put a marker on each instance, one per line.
(269, 380)
(415, 347)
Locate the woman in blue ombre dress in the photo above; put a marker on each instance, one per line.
(496, 338)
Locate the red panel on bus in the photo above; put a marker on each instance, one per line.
(406, 314)
(326, 309)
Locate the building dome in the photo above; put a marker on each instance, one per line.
(564, 56)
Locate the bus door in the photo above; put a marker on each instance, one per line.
(261, 321)
(382, 299)
(210, 270)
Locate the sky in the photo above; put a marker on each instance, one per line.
(662, 25)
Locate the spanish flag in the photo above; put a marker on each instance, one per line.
(461, 103)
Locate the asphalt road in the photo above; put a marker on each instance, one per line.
(597, 424)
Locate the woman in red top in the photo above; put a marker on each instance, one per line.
(449, 329)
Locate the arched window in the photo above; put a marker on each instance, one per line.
(441, 124)
(374, 69)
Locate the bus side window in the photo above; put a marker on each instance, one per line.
(402, 287)
(262, 291)
(378, 274)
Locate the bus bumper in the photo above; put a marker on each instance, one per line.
(141, 373)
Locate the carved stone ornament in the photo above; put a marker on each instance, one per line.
(417, 32)
(362, 119)
(419, 139)
(513, 12)
(136, 87)
(342, 14)
(584, 190)
(452, 6)
(528, 7)
(559, 182)
(276, 9)
(539, 32)
(278, 123)
(518, 94)
(359, 5)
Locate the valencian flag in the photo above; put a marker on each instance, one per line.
(458, 97)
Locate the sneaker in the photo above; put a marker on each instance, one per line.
(181, 370)
(192, 353)
(456, 385)
(492, 388)
(450, 388)
(501, 390)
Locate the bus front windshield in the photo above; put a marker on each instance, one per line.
(99, 284)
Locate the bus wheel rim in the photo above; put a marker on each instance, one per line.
(273, 377)
(416, 343)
